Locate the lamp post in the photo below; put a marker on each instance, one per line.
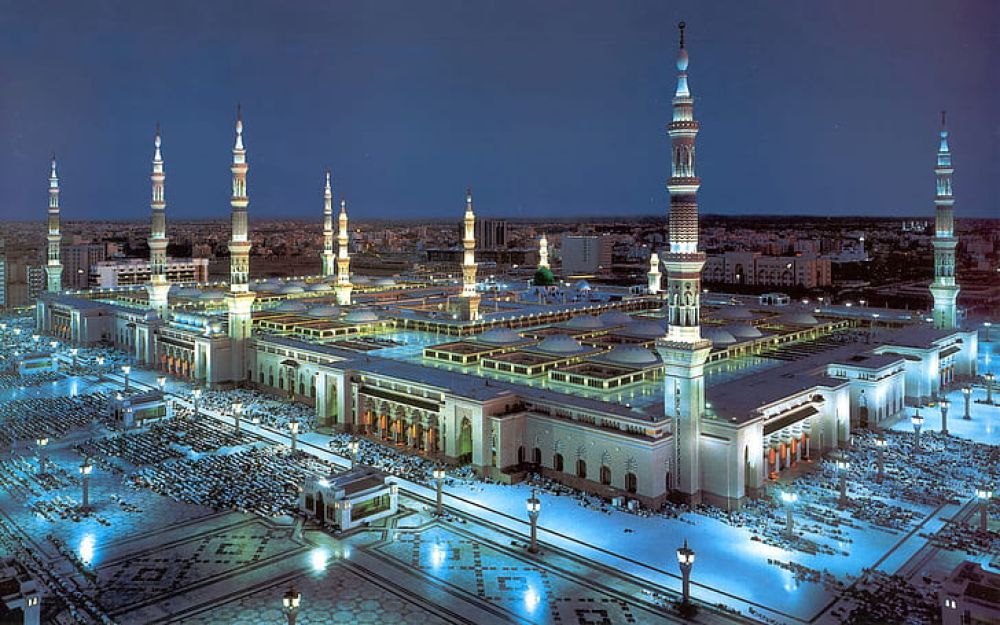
(126, 369)
(984, 493)
(842, 466)
(967, 395)
(685, 558)
(987, 325)
(293, 427)
(789, 498)
(989, 387)
(918, 422)
(439, 478)
(290, 602)
(41, 442)
(880, 444)
(100, 364)
(353, 447)
(195, 396)
(944, 405)
(162, 382)
(534, 508)
(237, 409)
(73, 353)
(85, 470)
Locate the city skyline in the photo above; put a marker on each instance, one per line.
(551, 113)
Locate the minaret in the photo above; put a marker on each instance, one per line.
(683, 350)
(158, 286)
(470, 297)
(240, 298)
(327, 254)
(944, 289)
(543, 251)
(53, 268)
(654, 276)
(343, 288)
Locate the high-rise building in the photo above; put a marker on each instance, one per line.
(491, 234)
(586, 255)
(133, 271)
(944, 288)
(77, 263)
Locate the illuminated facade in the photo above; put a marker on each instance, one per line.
(327, 255)
(53, 268)
(944, 288)
(344, 286)
(239, 299)
(158, 286)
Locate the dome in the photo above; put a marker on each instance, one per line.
(290, 307)
(544, 277)
(718, 336)
(186, 292)
(798, 319)
(360, 280)
(631, 355)
(385, 282)
(266, 287)
(582, 285)
(744, 331)
(559, 344)
(291, 288)
(151, 315)
(584, 322)
(212, 296)
(296, 283)
(734, 312)
(319, 286)
(645, 328)
(361, 315)
(614, 318)
(499, 336)
(325, 311)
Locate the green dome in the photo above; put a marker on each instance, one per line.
(544, 277)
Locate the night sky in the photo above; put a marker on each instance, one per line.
(546, 108)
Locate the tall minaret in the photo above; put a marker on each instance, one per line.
(343, 288)
(654, 277)
(158, 286)
(470, 297)
(543, 251)
(327, 254)
(683, 350)
(240, 298)
(944, 289)
(53, 268)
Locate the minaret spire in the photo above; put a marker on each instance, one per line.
(470, 297)
(944, 289)
(53, 266)
(683, 350)
(327, 255)
(653, 277)
(158, 286)
(543, 251)
(240, 298)
(344, 287)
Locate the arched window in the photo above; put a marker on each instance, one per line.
(520, 454)
(605, 475)
(581, 468)
(536, 456)
(631, 482)
(557, 462)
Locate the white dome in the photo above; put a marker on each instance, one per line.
(734, 313)
(584, 322)
(214, 296)
(582, 285)
(291, 288)
(559, 344)
(645, 328)
(319, 286)
(360, 280)
(744, 331)
(499, 336)
(186, 292)
(266, 287)
(798, 319)
(290, 307)
(614, 318)
(323, 311)
(385, 282)
(151, 315)
(632, 355)
(361, 315)
(296, 283)
(718, 336)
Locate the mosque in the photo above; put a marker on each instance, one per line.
(663, 391)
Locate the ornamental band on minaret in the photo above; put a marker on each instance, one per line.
(327, 254)
(944, 289)
(158, 286)
(240, 298)
(53, 266)
(344, 286)
(683, 351)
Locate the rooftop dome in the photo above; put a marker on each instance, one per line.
(385, 282)
(151, 315)
(559, 344)
(291, 288)
(798, 319)
(214, 296)
(544, 277)
(325, 311)
(319, 286)
(645, 328)
(290, 306)
(718, 336)
(361, 315)
(266, 287)
(360, 280)
(734, 313)
(631, 355)
(499, 336)
(744, 331)
(584, 322)
(296, 283)
(186, 292)
(582, 285)
(614, 318)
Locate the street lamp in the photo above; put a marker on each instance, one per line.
(918, 422)
(73, 352)
(439, 475)
(967, 394)
(126, 369)
(685, 558)
(987, 325)
(293, 427)
(789, 498)
(984, 493)
(161, 382)
(945, 405)
(41, 442)
(195, 396)
(352, 448)
(290, 602)
(100, 362)
(85, 469)
(842, 466)
(534, 508)
(880, 444)
(237, 409)
(989, 387)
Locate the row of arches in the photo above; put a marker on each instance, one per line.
(604, 476)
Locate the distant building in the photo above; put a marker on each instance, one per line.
(586, 255)
(491, 234)
(77, 261)
(970, 595)
(753, 268)
(3, 274)
(134, 271)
